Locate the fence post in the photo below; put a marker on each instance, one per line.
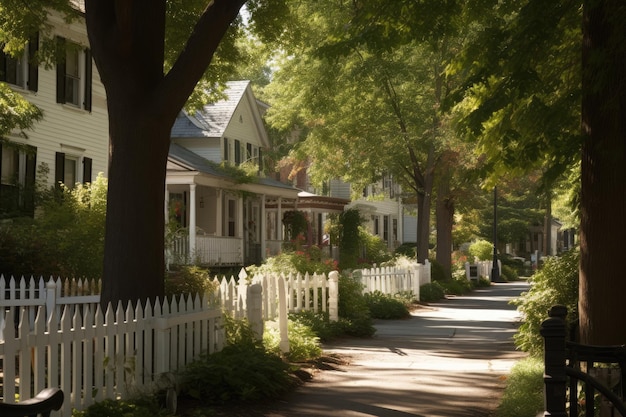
(254, 309)
(555, 379)
(51, 296)
(414, 270)
(333, 296)
(283, 326)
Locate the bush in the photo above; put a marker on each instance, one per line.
(457, 286)
(508, 273)
(437, 272)
(242, 371)
(555, 283)
(188, 280)
(375, 248)
(383, 306)
(408, 249)
(302, 261)
(319, 323)
(354, 315)
(303, 342)
(482, 250)
(433, 291)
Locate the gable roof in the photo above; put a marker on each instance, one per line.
(213, 119)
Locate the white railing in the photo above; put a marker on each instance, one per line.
(210, 250)
(92, 355)
(394, 280)
(480, 269)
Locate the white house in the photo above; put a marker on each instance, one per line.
(72, 139)
(228, 222)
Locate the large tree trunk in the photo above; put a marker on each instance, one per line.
(445, 219)
(127, 39)
(603, 197)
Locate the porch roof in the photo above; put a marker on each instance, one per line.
(187, 167)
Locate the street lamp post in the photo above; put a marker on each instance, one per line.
(495, 271)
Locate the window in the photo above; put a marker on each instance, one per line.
(74, 73)
(17, 179)
(67, 172)
(231, 213)
(21, 71)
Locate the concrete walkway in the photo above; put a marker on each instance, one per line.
(450, 359)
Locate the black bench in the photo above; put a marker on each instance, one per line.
(574, 373)
(41, 405)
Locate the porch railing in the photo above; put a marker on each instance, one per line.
(210, 250)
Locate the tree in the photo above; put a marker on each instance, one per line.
(602, 310)
(368, 103)
(528, 92)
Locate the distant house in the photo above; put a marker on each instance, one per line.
(72, 140)
(227, 222)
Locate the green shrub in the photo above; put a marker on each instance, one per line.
(555, 283)
(457, 286)
(375, 248)
(437, 272)
(319, 323)
(433, 291)
(242, 371)
(188, 280)
(354, 315)
(482, 250)
(139, 407)
(408, 249)
(508, 273)
(303, 342)
(303, 261)
(383, 306)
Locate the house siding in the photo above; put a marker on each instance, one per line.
(64, 128)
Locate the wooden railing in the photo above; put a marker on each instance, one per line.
(581, 378)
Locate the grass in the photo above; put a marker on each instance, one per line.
(523, 395)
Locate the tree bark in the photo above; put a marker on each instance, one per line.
(127, 39)
(445, 219)
(602, 287)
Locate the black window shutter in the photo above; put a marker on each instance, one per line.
(29, 185)
(87, 163)
(59, 169)
(226, 149)
(60, 69)
(237, 152)
(248, 151)
(33, 65)
(88, 77)
(260, 160)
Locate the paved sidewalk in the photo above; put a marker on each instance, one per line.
(450, 359)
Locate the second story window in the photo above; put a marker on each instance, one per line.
(74, 73)
(21, 70)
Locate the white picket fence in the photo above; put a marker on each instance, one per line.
(55, 334)
(92, 355)
(393, 280)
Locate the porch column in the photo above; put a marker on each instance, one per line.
(219, 213)
(279, 220)
(240, 228)
(262, 221)
(192, 220)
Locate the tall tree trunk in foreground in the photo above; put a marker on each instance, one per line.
(603, 197)
(127, 40)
